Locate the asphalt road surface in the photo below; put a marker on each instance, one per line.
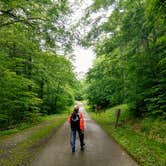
(100, 149)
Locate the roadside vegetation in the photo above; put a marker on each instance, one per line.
(130, 64)
(144, 139)
(35, 80)
(31, 141)
(129, 71)
(23, 126)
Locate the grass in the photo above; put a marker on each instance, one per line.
(26, 150)
(22, 126)
(144, 139)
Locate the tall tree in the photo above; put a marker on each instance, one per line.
(135, 48)
(34, 79)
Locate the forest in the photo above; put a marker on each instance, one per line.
(39, 85)
(130, 65)
(36, 79)
(129, 74)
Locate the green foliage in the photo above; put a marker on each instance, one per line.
(144, 139)
(32, 140)
(34, 79)
(102, 3)
(130, 64)
(79, 90)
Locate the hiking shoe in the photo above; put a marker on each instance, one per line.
(82, 148)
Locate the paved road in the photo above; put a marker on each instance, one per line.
(100, 149)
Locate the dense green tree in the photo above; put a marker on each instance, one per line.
(34, 79)
(132, 68)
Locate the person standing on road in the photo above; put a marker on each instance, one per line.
(77, 125)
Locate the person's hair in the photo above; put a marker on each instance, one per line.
(76, 108)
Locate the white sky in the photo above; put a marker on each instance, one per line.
(83, 60)
(84, 57)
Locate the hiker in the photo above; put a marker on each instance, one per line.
(77, 125)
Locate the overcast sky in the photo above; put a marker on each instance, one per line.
(84, 57)
(83, 60)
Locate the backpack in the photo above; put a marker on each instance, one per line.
(75, 121)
